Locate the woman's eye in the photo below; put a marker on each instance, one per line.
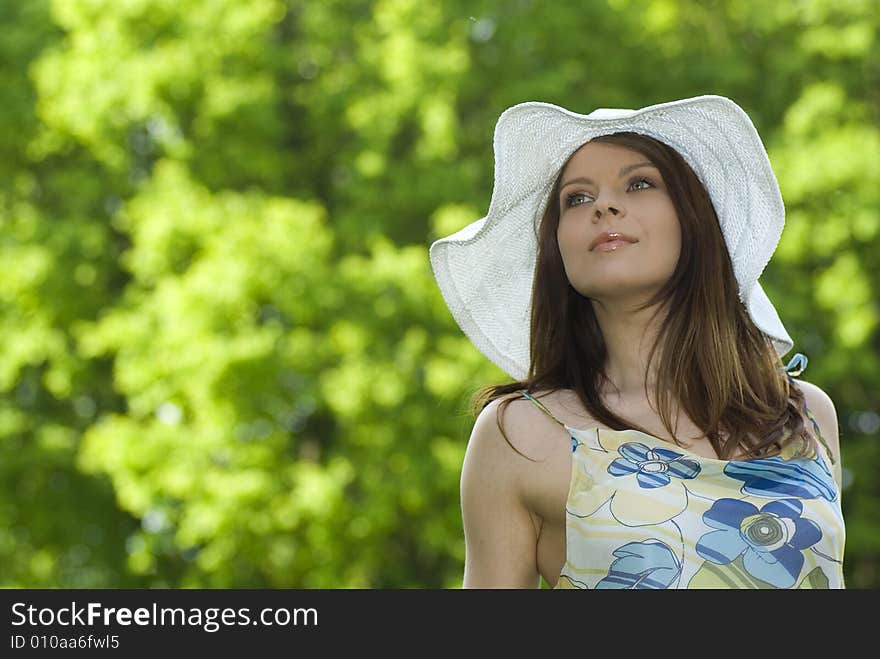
(570, 200)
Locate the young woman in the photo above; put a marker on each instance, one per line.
(651, 437)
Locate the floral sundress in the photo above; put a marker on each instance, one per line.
(643, 512)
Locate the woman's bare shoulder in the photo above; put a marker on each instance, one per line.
(823, 410)
(524, 424)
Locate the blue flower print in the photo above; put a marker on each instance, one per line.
(653, 467)
(772, 539)
(775, 477)
(639, 565)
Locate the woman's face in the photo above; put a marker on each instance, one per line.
(634, 201)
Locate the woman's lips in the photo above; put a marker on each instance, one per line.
(611, 245)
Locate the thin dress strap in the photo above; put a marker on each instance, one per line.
(542, 407)
(795, 367)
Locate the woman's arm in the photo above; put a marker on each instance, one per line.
(500, 537)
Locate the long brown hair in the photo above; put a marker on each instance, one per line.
(713, 361)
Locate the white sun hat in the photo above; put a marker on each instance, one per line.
(485, 270)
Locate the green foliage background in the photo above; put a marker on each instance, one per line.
(225, 362)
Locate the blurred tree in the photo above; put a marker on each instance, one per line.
(225, 360)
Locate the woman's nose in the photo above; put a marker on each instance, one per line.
(605, 205)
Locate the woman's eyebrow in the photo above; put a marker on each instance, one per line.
(624, 170)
